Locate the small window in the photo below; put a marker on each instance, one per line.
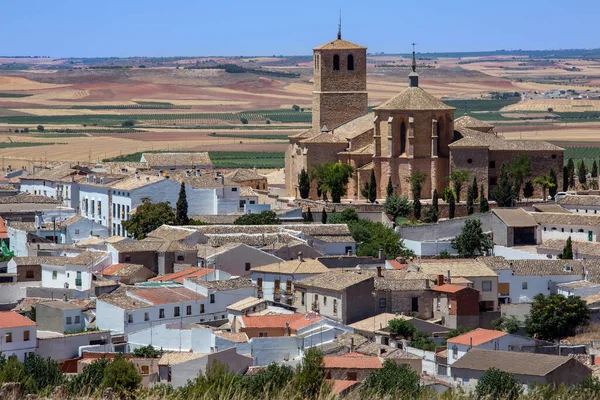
(234, 189)
(212, 298)
(77, 319)
(335, 307)
(26, 336)
(524, 285)
(179, 258)
(554, 156)
(455, 352)
(54, 275)
(129, 318)
(248, 267)
(336, 62)
(127, 258)
(8, 337)
(68, 320)
(77, 231)
(201, 308)
(324, 300)
(188, 310)
(263, 334)
(29, 274)
(469, 161)
(492, 164)
(145, 369)
(486, 286)
(350, 62)
(259, 283)
(302, 298)
(382, 303)
(146, 316)
(161, 313)
(176, 312)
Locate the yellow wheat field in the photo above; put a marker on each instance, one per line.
(558, 105)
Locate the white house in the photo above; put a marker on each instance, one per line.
(60, 183)
(580, 227)
(275, 281)
(18, 335)
(587, 204)
(487, 340)
(77, 228)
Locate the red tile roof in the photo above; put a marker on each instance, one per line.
(112, 269)
(12, 319)
(181, 275)
(339, 386)
(397, 264)
(448, 288)
(352, 361)
(165, 295)
(295, 321)
(476, 337)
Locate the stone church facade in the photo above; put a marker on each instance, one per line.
(413, 131)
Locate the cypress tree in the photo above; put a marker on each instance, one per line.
(565, 185)
(484, 206)
(594, 169)
(373, 188)
(571, 172)
(503, 193)
(553, 189)
(303, 184)
(324, 216)
(309, 216)
(567, 253)
(581, 172)
(182, 207)
(434, 205)
(417, 207)
(475, 189)
(470, 200)
(390, 187)
(451, 206)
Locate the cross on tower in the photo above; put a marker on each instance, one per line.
(340, 26)
(414, 60)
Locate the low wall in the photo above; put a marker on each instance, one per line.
(56, 293)
(11, 293)
(445, 229)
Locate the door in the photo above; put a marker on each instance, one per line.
(590, 236)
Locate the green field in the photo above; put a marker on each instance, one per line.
(469, 106)
(9, 145)
(14, 95)
(224, 159)
(587, 154)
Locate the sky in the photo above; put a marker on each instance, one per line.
(123, 28)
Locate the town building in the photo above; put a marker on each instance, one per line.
(350, 367)
(587, 204)
(59, 316)
(177, 161)
(128, 274)
(19, 335)
(456, 305)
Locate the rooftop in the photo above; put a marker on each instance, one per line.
(166, 295)
(177, 159)
(546, 267)
(467, 121)
(545, 218)
(414, 98)
(339, 44)
(551, 208)
(579, 248)
(575, 200)
(123, 270)
(515, 218)
(192, 272)
(246, 303)
(178, 358)
(352, 361)
(223, 285)
(294, 267)
(12, 319)
(333, 280)
(476, 337)
(243, 175)
(460, 267)
(62, 305)
(294, 321)
(378, 322)
(513, 362)
(449, 288)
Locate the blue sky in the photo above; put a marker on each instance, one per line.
(92, 28)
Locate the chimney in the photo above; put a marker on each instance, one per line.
(592, 359)
(379, 274)
(351, 345)
(137, 176)
(381, 254)
(471, 342)
(440, 280)
(300, 258)
(448, 279)
(65, 299)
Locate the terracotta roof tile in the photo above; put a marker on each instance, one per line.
(477, 337)
(339, 44)
(181, 275)
(414, 98)
(352, 361)
(165, 295)
(449, 288)
(12, 319)
(279, 321)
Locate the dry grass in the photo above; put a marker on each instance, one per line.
(558, 105)
(19, 83)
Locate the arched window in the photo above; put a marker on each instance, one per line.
(350, 62)
(402, 138)
(336, 62)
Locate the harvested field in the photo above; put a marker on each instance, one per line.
(557, 105)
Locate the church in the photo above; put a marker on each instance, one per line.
(413, 131)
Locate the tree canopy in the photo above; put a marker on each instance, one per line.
(332, 178)
(148, 217)
(503, 193)
(498, 385)
(458, 177)
(472, 241)
(392, 381)
(556, 316)
(261, 218)
(182, 207)
(397, 206)
(303, 184)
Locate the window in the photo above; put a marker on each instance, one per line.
(212, 298)
(54, 275)
(26, 336)
(145, 369)
(99, 208)
(351, 376)
(288, 286)
(438, 303)
(348, 250)
(129, 318)
(259, 283)
(302, 298)
(469, 161)
(554, 156)
(317, 60)
(146, 316)
(324, 300)
(8, 337)
(29, 274)
(77, 231)
(248, 266)
(414, 304)
(402, 138)
(201, 308)
(336, 62)
(242, 203)
(114, 210)
(350, 62)
(524, 285)
(127, 258)
(263, 334)
(176, 312)
(161, 313)
(492, 164)
(455, 352)
(486, 286)
(277, 286)
(234, 189)
(334, 306)
(68, 320)
(179, 258)
(188, 310)
(382, 302)
(77, 319)
(493, 181)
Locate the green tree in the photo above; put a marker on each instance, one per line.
(267, 382)
(40, 128)
(510, 325)
(390, 188)
(303, 184)
(372, 236)
(392, 381)
(451, 206)
(571, 172)
(496, 384)
(309, 216)
(182, 207)
(435, 205)
(594, 170)
(484, 206)
(528, 190)
(555, 317)
(122, 376)
(146, 352)
(472, 241)
(458, 177)
(475, 188)
(520, 168)
(310, 374)
(296, 107)
(554, 187)
(565, 186)
(370, 189)
(333, 178)
(416, 181)
(261, 218)
(581, 172)
(13, 371)
(148, 217)
(244, 121)
(470, 209)
(128, 124)
(349, 215)
(324, 216)
(46, 372)
(545, 183)
(397, 206)
(217, 382)
(85, 383)
(503, 193)
(421, 341)
(401, 327)
(567, 253)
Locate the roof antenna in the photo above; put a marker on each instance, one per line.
(340, 26)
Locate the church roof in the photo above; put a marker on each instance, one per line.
(339, 44)
(466, 121)
(303, 135)
(355, 127)
(414, 98)
(367, 167)
(325, 137)
(474, 138)
(368, 149)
